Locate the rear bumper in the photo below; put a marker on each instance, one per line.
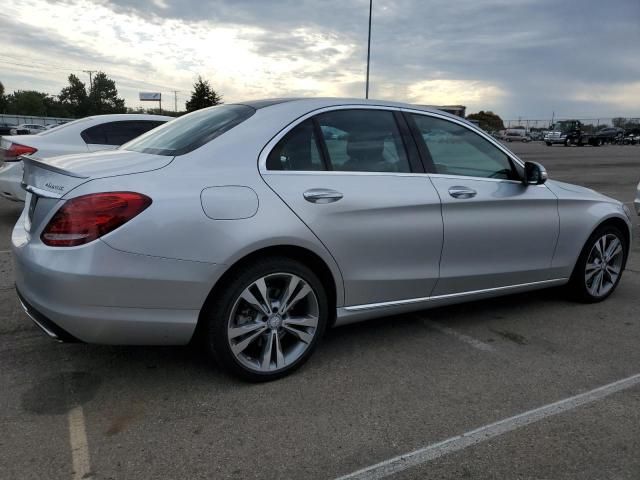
(97, 294)
(10, 181)
(45, 324)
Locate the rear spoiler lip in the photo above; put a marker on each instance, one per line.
(46, 166)
(29, 162)
(39, 192)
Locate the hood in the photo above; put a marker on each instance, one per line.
(569, 191)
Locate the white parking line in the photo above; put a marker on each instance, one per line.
(482, 434)
(79, 444)
(474, 342)
(5, 251)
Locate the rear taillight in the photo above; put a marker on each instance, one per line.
(15, 150)
(84, 219)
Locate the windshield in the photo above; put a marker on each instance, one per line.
(191, 131)
(563, 126)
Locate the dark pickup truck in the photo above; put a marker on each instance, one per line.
(610, 135)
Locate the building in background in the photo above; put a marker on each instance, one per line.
(459, 110)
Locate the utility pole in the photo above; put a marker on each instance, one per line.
(90, 72)
(175, 100)
(366, 95)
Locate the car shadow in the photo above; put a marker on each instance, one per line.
(191, 364)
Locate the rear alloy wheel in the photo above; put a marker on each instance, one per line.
(268, 320)
(600, 265)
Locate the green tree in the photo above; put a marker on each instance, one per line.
(3, 99)
(488, 120)
(27, 102)
(74, 98)
(203, 96)
(103, 96)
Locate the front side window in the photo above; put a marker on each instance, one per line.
(456, 150)
(363, 141)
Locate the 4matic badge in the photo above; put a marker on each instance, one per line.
(59, 188)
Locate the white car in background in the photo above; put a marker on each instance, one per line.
(29, 128)
(90, 134)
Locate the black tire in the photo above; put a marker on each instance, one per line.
(577, 286)
(549, 144)
(217, 316)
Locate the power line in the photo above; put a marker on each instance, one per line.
(35, 67)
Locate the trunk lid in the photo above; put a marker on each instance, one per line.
(55, 177)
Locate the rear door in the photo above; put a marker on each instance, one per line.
(497, 231)
(353, 176)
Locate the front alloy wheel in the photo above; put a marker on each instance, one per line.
(600, 265)
(604, 265)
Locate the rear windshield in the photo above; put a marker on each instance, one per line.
(191, 131)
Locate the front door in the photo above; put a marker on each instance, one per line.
(498, 231)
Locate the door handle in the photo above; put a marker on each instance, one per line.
(322, 195)
(462, 192)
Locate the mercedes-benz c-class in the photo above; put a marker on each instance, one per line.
(255, 226)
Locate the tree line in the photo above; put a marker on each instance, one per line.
(76, 100)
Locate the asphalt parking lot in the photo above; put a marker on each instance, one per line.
(371, 393)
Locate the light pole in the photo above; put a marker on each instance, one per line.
(366, 94)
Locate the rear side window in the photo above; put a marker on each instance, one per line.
(117, 133)
(298, 150)
(191, 131)
(364, 140)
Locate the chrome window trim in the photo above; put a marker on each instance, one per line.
(395, 303)
(338, 172)
(266, 150)
(484, 179)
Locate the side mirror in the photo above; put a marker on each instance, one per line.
(534, 173)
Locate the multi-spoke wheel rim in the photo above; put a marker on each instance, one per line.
(273, 322)
(604, 265)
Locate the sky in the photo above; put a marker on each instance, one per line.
(519, 58)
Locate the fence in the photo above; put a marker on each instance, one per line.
(20, 119)
(628, 123)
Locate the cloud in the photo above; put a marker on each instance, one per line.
(524, 58)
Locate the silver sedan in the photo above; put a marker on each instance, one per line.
(255, 226)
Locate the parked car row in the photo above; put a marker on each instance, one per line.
(570, 132)
(26, 128)
(100, 132)
(573, 132)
